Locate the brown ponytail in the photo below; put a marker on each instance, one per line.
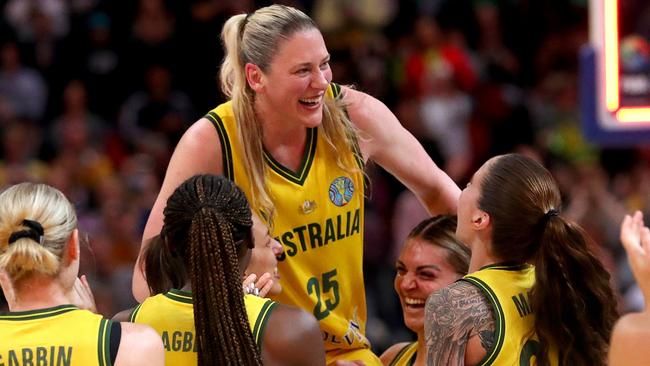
(572, 298)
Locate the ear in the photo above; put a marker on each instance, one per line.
(72, 250)
(254, 77)
(480, 220)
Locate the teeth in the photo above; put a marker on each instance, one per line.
(411, 301)
(311, 100)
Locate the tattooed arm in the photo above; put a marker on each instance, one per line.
(458, 325)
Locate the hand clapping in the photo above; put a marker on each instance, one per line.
(635, 237)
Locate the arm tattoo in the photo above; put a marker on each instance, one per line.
(453, 315)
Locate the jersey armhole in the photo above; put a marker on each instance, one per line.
(114, 341)
(499, 319)
(226, 150)
(261, 322)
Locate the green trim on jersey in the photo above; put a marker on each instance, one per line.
(401, 353)
(226, 149)
(499, 327)
(134, 313)
(262, 320)
(299, 176)
(180, 296)
(36, 314)
(506, 266)
(103, 342)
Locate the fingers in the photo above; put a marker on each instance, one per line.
(249, 279)
(88, 292)
(645, 240)
(258, 287)
(264, 284)
(631, 232)
(249, 283)
(82, 295)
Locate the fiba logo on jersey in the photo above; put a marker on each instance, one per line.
(341, 191)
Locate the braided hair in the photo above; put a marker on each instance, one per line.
(208, 224)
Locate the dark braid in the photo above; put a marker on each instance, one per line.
(208, 220)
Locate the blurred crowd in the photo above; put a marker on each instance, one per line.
(94, 95)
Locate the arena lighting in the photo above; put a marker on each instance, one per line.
(611, 55)
(615, 73)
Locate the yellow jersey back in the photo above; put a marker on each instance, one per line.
(172, 316)
(508, 289)
(57, 336)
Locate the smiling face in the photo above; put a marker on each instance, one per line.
(263, 256)
(293, 86)
(422, 268)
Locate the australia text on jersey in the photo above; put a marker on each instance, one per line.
(318, 234)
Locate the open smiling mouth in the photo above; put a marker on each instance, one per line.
(414, 303)
(310, 102)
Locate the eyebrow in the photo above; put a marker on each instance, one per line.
(303, 64)
(428, 266)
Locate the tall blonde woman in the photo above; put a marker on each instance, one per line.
(296, 144)
(39, 258)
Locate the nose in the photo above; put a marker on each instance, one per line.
(408, 282)
(276, 247)
(320, 79)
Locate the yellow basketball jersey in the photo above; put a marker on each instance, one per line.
(406, 356)
(508, 288)
(57, 336)
(319, 221)
(172, 316)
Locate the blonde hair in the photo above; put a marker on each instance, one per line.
(49, 208)
(254, 38)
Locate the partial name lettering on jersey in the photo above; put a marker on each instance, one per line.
(50, 356)
(353, 336)
(177, 341)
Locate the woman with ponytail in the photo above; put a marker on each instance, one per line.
(196, 267)
(297, 144)
(39, 264)
(534, 292)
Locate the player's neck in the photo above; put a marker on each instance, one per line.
(481, 256)
(38, 292)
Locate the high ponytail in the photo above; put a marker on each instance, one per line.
(232, 73)
(572, 299)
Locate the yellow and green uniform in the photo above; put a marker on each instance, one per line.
(406, 356)
(508, 289)
(319, 221)
(172, 316)
(57, 336)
